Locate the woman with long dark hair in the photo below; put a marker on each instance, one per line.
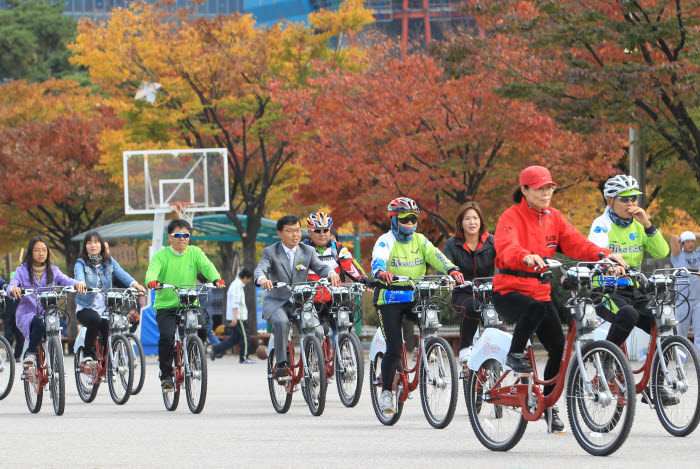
(473, 251)
(35, 271)
(97, 269)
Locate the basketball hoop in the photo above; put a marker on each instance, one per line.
(184, 210)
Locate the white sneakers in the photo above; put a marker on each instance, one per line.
(386, 402)
(465, 354)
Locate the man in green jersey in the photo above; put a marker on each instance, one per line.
(176, 264)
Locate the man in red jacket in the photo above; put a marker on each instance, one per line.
(527, 232)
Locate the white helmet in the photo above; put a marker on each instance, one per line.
(619, 184)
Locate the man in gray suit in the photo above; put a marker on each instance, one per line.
(286, 261)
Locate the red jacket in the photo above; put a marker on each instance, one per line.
(523, 230)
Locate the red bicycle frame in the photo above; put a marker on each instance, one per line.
(178, 367)
(645, 369)
(99, 368)
(408, 385)
(40, 378)
(329, 356)
(294, 370)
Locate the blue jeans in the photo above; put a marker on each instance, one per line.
(210, 334)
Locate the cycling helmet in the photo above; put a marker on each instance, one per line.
(319, 220)
(620, 184)
(402, 205)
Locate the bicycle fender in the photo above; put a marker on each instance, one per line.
(378, 344)
(271, 344)
(492, 344)
(79, 340)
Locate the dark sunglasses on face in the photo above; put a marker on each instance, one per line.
(180, 235)
(321, 230)
(628, 198)
(409, 220)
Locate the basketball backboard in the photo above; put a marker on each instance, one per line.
(156, 181)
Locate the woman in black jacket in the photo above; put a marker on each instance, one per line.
(473, 251)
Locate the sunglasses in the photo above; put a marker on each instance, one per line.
(409, 220)
(628, 198)
(180, 235)
(321, 230)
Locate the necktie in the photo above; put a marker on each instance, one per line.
(290, 254)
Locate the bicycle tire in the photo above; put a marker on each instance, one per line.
(196, 375)
(444, 379)
(281, 399)
(139, 363)
(349, 353)
(34, 399)
(57, 379)
(171, 398)
(688, 407)
(487, 418)
(86, 391)
(7, 368)
(375, 391)
(120, 374)
(315, 375)
(616, 423)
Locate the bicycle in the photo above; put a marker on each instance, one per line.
(7, 360)
(343, 357)
(190, 364)
(671, 369)
(311, 365)
(47, 372)
(435, 372)
(116, 363)
(597, 376)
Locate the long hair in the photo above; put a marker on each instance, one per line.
(106, 259)
(518, 195)
(29, 259)
(462, 211)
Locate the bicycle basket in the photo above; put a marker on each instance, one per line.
(115, 301)
(48, 299)
(188, 296)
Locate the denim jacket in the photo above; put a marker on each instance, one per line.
(88, 274)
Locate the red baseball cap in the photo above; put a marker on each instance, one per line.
(535, 177)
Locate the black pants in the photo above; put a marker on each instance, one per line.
(167, 322)
(465, 307)
(532, 316)
(95, 325)
(390, 320)
(12, 333)
(624, 310)
(236, 335)
(37, 331)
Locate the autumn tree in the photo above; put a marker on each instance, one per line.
(49, 145)
(404, 127)
(218, 79)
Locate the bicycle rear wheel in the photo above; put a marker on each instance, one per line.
(601, 422)
(57, 378)
(315, 375)
(497, 427)
(33, 393)
(375, 391)
(438, 384)
(680, 416)
(196, 375)
(120, 374)
(7, 368)
(87, 390)
(139, 363)
(281, 399)
(349, 369)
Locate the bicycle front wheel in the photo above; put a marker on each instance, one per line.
(7, 368)
(497, 427)
(601, 421)
(677, 403)
(315, 375)
(438, 382)
(87, 389)
(120, 373)
(196, 375)
(349, 369)
(139, 363)
(57, 378)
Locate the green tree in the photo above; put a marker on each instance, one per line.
(33, 38)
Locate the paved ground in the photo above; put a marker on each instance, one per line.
(238, 427)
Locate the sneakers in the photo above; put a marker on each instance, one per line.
(518, 362)
(386, 402)
(465, 354)
(87, 360)
(281, 372)
(247, 361)
(167, 384)
(556, 425)
(667, 399)
(213, 355)
(29, 360)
